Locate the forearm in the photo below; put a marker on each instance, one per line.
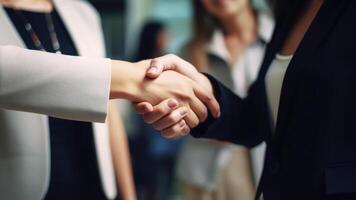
(70, 87)
(121, 154)
(63, 86)
(127, 79)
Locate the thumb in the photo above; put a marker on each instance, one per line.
(155, 69)
(143, 107)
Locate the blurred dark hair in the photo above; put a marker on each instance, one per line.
(147, 46)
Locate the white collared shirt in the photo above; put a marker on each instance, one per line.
(245, 69)
(243, 73)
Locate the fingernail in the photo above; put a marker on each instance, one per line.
(172, 104)
(153, 70)
(219, 114)
(183, 111)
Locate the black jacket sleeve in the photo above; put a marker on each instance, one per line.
(242, 121)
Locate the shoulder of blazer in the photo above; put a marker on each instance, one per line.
(83, 9)
(81, 17)
(87, 11)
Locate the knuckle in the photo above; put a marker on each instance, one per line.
(204, 116)
(205, 111)
(172, 132)
(156, 127)
(174, 129)
(155, 59)
(171, 118)
(185, 131)
(160, 111)
(169, 134)
(208, 98)
(185, 96)
(194, 124)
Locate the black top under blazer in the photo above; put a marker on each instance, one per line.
(311, 154)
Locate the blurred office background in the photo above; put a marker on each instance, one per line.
(122, 23)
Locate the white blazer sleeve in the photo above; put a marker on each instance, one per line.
(62, 86)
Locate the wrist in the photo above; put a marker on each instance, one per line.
(127, 78)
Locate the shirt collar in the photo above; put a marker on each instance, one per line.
(217, 47)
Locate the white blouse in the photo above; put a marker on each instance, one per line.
(274, 80)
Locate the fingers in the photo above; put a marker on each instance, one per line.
(160, 110)
(208, 99)
(178, 130)
(143, 107)
(167, 118)
(199, 109)
(191, 119)
(171, 62)
(171, 119)
(155, 69)
(165, 115)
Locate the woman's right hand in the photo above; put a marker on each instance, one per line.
(191, 99)
(187, 98)
(161, 113)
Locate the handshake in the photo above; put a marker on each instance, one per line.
(169, 92)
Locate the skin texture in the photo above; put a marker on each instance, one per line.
(237, 21)
(133, 85)
(128, 81)
(163, 113)
(290, 46)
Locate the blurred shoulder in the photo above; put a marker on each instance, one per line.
(185, 50)
(82, 8)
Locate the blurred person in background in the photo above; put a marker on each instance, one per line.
(154, 158)
(302, 104)
(84, 157)
(228, 42)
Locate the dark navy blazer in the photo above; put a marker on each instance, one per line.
(312, 154)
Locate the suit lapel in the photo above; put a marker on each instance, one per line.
(74, 26)
(316, 34)
(87, 45)
(70, 19)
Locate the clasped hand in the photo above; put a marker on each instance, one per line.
(189, 97)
